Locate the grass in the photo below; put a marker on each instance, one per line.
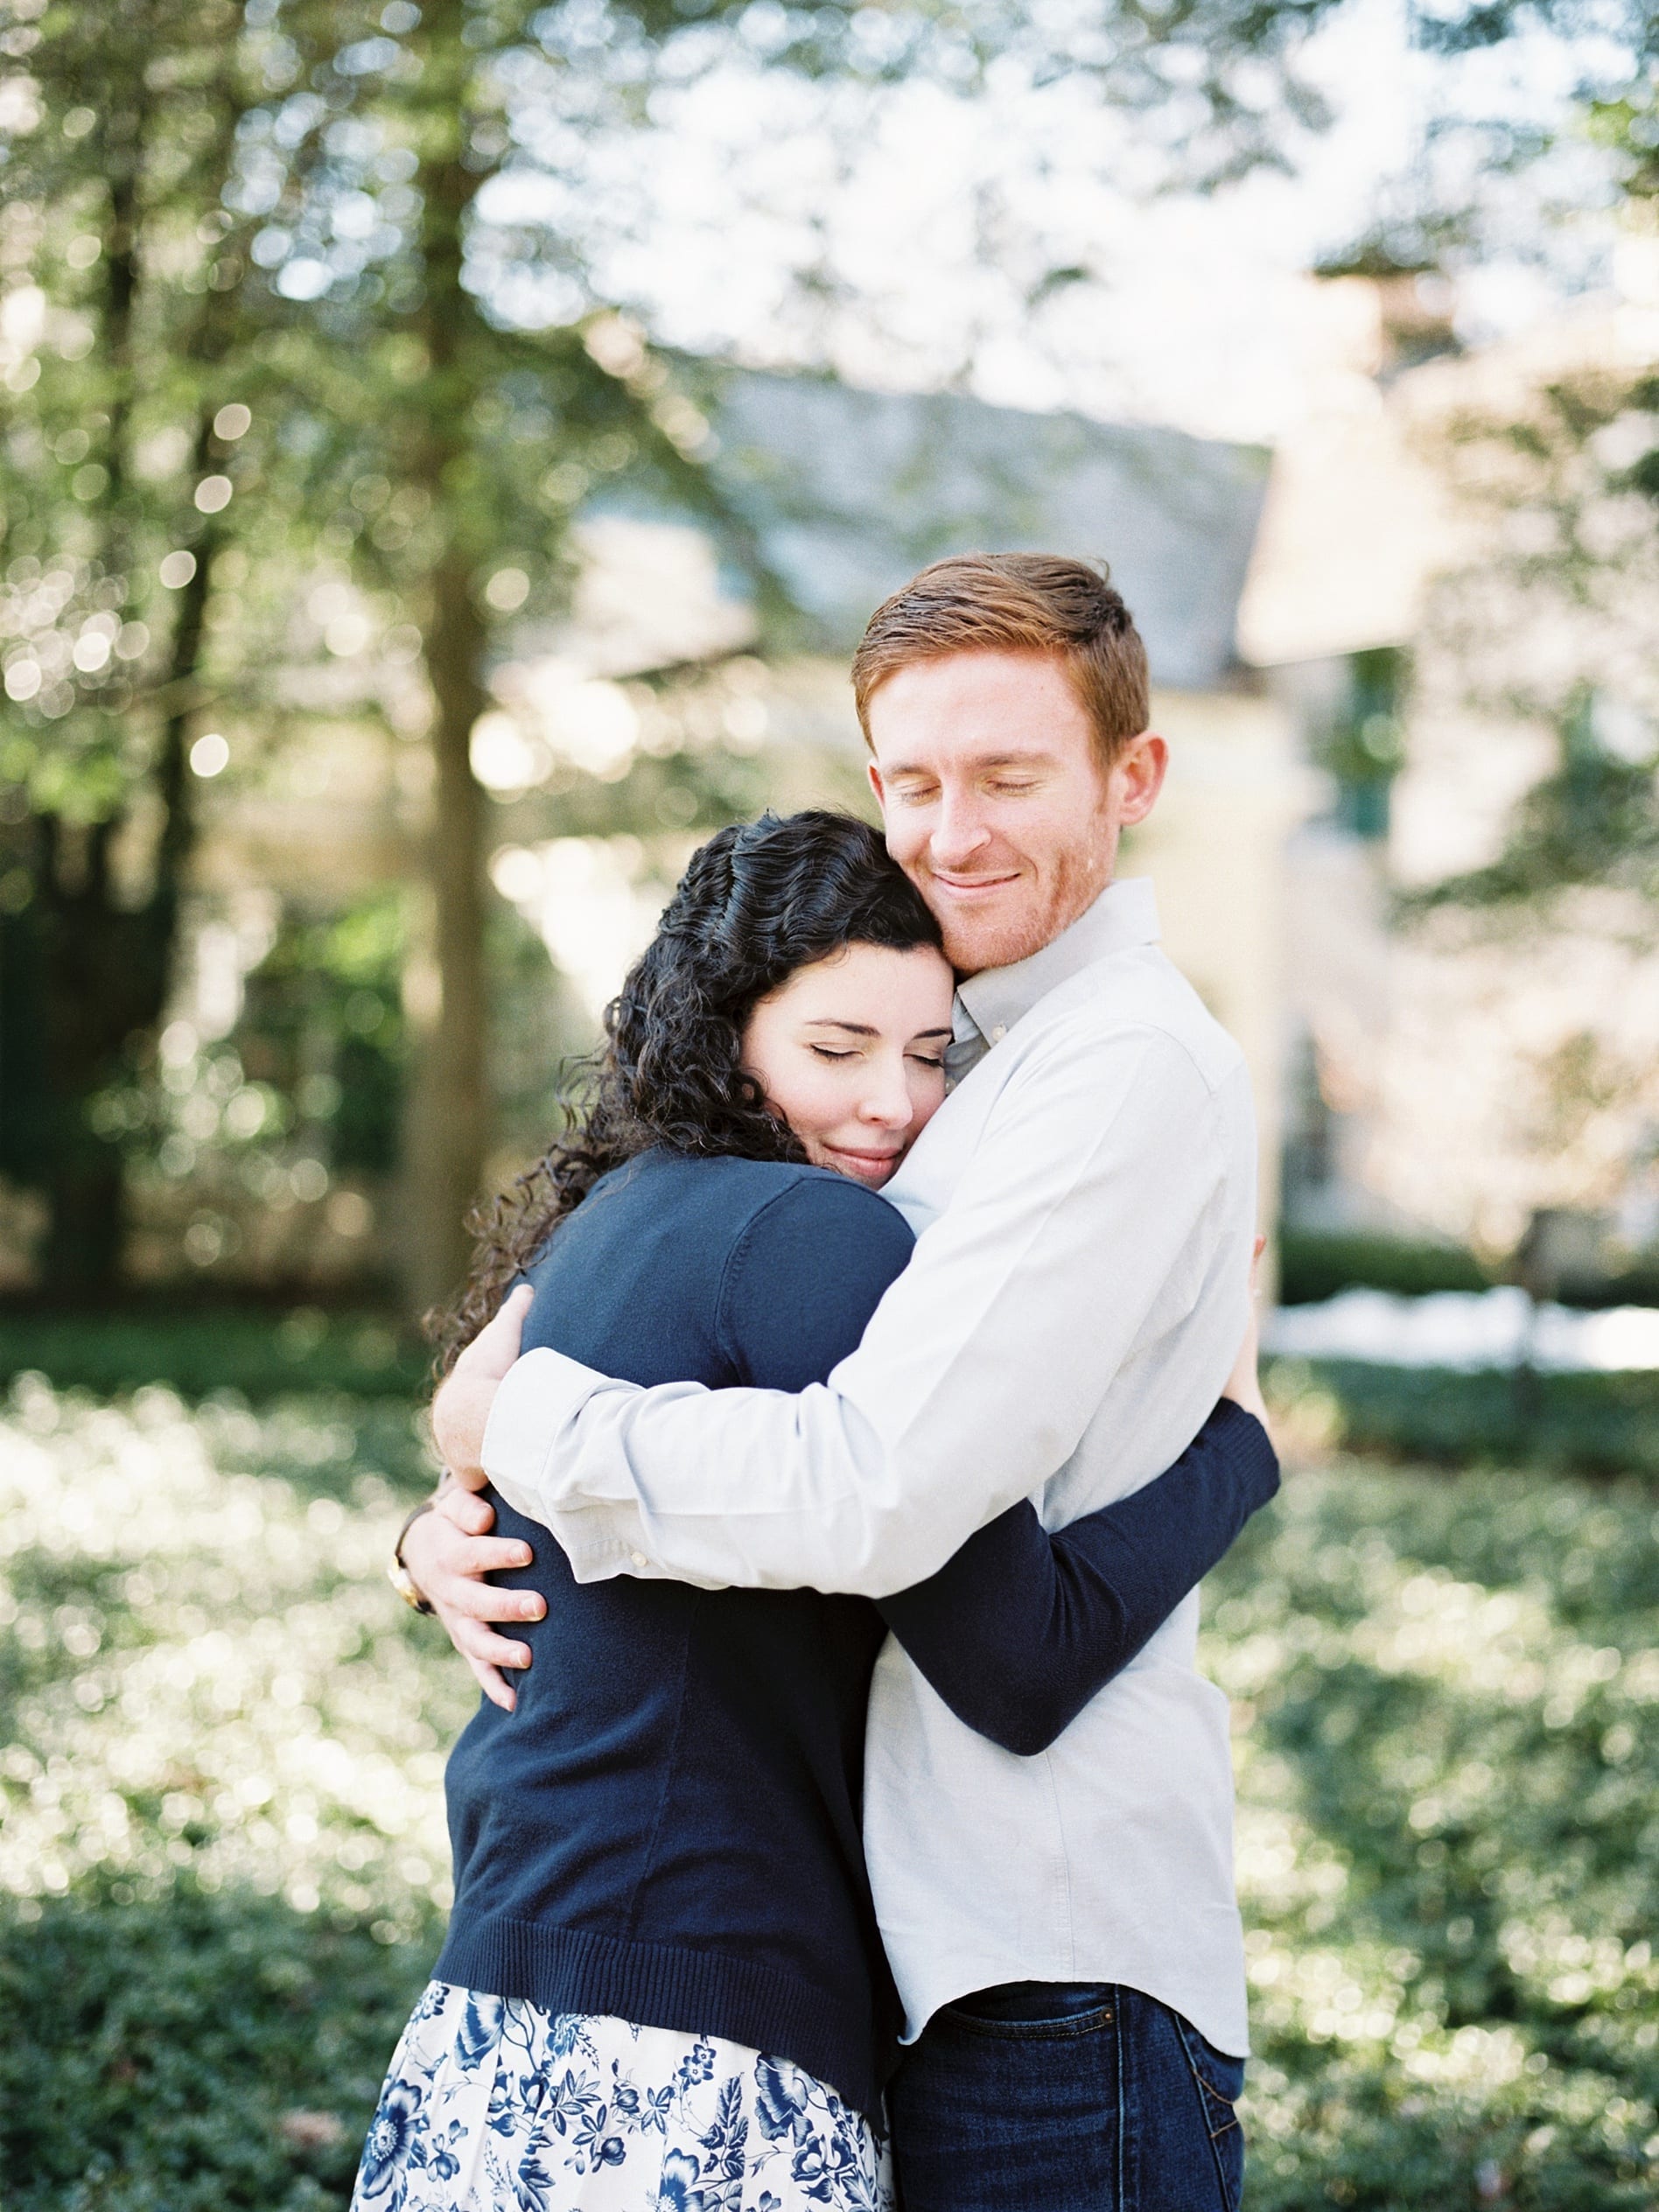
(223, 1867)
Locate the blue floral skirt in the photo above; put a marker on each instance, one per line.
(492, 2106)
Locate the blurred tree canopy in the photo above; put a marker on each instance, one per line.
(257, 324)
(1567, 481)
(300, 295)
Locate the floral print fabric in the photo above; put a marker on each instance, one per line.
(494, 2105)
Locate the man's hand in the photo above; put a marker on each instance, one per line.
(461, 1409)
(447, 1552)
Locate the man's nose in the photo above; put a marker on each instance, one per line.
(958, 833)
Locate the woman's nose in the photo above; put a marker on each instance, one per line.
(887, 1100)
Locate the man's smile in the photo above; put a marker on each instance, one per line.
(972, 886)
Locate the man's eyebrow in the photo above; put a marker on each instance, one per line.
(979, 760)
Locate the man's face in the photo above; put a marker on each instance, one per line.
(996, 804)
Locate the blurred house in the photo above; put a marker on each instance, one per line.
(1443, 1079)
(846, 493)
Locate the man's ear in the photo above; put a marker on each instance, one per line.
(874, 775)
(1139, 773)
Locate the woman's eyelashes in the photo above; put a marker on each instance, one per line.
(830, 1052)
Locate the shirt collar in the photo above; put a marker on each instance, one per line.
(1124, 915)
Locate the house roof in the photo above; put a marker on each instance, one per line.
(850, 492)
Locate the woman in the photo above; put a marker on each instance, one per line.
(663, 1983)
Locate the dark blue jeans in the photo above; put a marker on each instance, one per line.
(1044, 2096)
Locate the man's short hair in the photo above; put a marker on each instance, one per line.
(1016, 603)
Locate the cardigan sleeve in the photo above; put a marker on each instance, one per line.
(803, 1277)
(1020, 1630)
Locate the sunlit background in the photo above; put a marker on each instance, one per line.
(447, 455)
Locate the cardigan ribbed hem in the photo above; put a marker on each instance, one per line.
(699, 1992)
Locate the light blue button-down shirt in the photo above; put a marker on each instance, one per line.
(1084, 1202)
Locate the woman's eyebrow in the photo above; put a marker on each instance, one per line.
(864, 1028)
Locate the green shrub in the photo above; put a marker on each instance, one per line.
(1315, 1265)
(196, 1350)
(1589, 1424)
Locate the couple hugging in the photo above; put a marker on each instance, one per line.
(859, 1831)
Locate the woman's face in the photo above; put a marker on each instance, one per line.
(850, 1053)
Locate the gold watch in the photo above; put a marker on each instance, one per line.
(399, 1575)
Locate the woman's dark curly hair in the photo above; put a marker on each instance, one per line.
(756, 903)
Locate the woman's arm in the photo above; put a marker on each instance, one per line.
(1020, 1630)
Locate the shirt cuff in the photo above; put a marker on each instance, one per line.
(540, 1393)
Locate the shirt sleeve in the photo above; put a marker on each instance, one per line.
(1082, 1227)
(1021, 1629)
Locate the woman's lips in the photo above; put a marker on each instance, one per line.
(870, 1167)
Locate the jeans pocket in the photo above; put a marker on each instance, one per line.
(1219, 2081)
(1032, 2012)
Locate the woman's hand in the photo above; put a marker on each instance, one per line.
(461, 1409)
(1243, 1385)
(448, 1551)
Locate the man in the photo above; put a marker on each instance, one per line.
(1063, 1928)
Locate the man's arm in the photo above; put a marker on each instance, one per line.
(1081, 1227)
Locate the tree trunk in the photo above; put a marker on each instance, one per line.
(91, 986)
(449, 1122)
(448, 1134)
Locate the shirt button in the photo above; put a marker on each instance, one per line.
(998, 1032)
(639, 1559)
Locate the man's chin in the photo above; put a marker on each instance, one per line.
(976, 942)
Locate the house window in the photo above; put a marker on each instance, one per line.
(1364, 745)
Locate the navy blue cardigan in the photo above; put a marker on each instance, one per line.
(667, 1827)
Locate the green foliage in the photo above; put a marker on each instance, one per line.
(1317, 1264)
(1446, 1847)
(221, 1864)
(323, 1026)
(189, 2050)
(1605, 1425)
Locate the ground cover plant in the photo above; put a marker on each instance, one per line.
(223, 1869)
